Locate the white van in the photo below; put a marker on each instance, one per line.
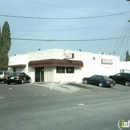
(3, 75)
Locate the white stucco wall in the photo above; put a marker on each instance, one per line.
(21, 69)
(125, 66)
(31, 73)
(49, 74)
(45, 54)
(91, 64)
(18, 59)
(97, 67)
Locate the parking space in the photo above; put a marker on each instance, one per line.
(87, 86)
(121, 87)
(90, 87)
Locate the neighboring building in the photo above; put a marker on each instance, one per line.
(56, 65)
(125, 66)
(18, 63)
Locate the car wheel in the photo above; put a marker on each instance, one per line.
(100, 84)
(8, 83)
(29, 81)
(4, 81)
(127, 83)
(22, 81)
(112, 85)
(85, 81)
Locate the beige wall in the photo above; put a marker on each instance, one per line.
(20, 69)
(31, 73)
(68, 77)
(48, 74)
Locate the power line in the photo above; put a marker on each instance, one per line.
(62, 6)
(53, 40)
(117, 45)
(26, 17)
(122, 42)
(127, 42)
(40, 30)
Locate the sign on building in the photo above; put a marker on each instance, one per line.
(68, 55)
(107, 61)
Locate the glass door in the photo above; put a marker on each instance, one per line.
(39, 74)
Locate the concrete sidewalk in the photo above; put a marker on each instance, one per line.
(63, 87)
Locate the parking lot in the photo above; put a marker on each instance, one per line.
(74, 87)
(74, 106)
(92, 88)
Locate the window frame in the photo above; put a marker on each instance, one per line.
(60, 67)
(70, 72)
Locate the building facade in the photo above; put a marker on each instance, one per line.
(56, 65)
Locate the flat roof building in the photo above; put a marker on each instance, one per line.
(57, 65)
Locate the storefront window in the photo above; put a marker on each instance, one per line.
(60, 69)
(69, 69)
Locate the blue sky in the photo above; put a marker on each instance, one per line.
(88, 20)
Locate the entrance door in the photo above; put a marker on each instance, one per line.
(39, 74)
(42, 74)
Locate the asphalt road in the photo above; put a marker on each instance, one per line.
(31, 107)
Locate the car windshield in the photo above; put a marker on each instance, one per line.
(105, 77)
(118, 74)
(15, 74)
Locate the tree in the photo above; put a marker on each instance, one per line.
(0, 46)
(5, 45)
(0, 37)
(127, 56)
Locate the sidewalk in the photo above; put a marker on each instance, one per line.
(65, 88)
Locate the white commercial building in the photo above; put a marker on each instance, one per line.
(56, 65)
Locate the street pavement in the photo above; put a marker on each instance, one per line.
(36, 107)
(62, 87)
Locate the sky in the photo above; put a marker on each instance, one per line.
(97, 26)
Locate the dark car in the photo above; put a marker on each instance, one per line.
(18, 78)
(121, 78)
(99, 80)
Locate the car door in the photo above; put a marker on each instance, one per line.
(98, 79)
(93, 80)
(116, 77)
(128, 77)
(123, 78)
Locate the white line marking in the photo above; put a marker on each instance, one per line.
(81, 104)
(2, 97)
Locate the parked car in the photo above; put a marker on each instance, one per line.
(121, 78)
(99, 80)
(3, 75)
(18, 78)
